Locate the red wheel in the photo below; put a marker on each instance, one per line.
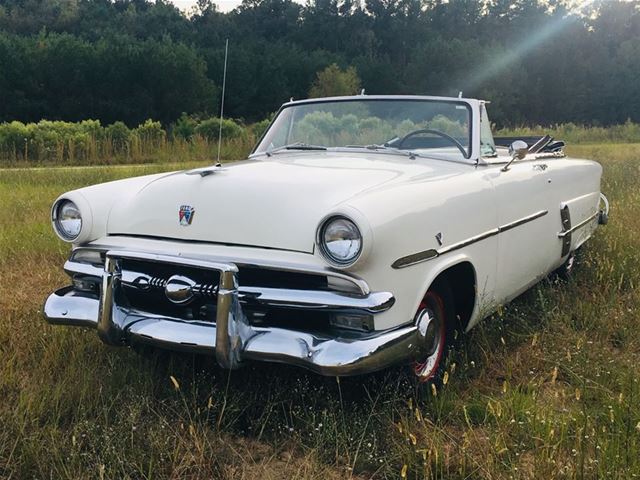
(431, 319)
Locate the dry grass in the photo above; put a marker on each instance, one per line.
(548, 389)
(138, 152)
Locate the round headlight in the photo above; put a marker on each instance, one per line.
(340, 241)
(67, 220)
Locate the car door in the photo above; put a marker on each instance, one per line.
(527, 205)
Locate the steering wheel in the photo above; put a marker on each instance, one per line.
(434, 132)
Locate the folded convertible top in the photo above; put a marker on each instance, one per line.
(545, 144)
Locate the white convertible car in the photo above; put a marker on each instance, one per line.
(361, 232)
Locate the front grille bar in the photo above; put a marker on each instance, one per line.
(232, 328)
(144, 282)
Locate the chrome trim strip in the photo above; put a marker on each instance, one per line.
(71, 268)
(373, 302)
(316, 299)
(426, 255)
(523, 220)
(469, 241)
(565, 219)
(415, 258)
(282, 267)
(174, 260)
(590, 218)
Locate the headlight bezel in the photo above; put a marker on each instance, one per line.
(56, 220)
(323, 247)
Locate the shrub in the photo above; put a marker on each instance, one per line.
(93, 128)
(260, 127)
(150, 132)
(14, 138)
(185, 127)
(119, 135)
(209, 129)
(333, 81)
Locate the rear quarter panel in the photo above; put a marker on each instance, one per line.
(579, 189)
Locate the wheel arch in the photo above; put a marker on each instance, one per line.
(461, 277)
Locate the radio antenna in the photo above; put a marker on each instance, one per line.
(224, 84)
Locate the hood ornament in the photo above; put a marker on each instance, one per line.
(185, 215)
(439, 238)
(206, 171)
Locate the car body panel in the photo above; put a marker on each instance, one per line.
(512, 223)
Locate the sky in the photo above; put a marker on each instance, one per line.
(227, 5)
(223, 5)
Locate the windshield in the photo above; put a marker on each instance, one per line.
(420, 126)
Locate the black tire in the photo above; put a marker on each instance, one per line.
(428, 372)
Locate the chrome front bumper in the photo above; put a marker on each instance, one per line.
(231, 338)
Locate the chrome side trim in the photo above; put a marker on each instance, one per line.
(468, 241)
(590, 218)
(565, 218)
(415, 258)
(425, 255)
(522, 221)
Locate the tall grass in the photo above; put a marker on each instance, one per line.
(571, 133)
(89, 143)
(549, 388)
(48, 143)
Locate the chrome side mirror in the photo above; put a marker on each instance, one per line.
(518, 150)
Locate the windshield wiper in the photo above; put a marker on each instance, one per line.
(295, 146)
(405, 153)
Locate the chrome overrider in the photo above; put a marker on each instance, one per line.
(231, 338)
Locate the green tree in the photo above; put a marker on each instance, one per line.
(538, 61)
(333, 81)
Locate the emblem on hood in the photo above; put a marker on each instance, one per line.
(185, 215)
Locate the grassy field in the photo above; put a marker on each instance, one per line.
(548, 388)
(49, 144)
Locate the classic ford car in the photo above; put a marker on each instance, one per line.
(361, 232)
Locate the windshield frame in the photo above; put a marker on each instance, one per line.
(467, 103)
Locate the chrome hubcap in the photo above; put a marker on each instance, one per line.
(429, 328)
(570, 262)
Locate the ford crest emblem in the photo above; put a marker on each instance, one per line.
(185, 215)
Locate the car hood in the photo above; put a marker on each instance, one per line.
(276, 203)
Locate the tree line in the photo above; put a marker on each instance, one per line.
(538, 62)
